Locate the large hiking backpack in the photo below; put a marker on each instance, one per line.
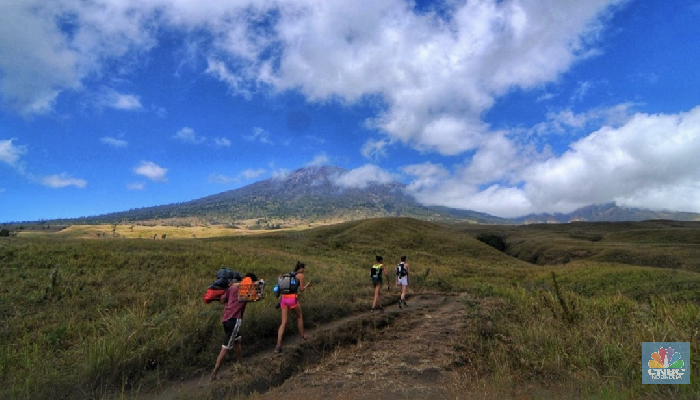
(288, 283)
(401, 270)
(217, 289)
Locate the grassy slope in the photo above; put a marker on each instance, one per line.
(93, 317)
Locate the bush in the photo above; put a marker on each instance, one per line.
(493, 240)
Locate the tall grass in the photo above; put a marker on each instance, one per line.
(95, 318)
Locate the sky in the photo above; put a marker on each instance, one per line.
(507, 107)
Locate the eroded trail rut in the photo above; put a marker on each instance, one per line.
(398, 354)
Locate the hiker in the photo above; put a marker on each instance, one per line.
(289, 300)
(377, 273)
(402, 274)
(231, 320)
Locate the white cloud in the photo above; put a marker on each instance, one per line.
(151, 171)
(252, 173)
(116, 143)
(188, 135)
(363, 176)
(435, 75)
(10, 153)
(280, 173)
(321, 159)
(259, 135)
(49, 47)
(375, 149)
(245, 175)
(62, 180)
(136, 186)
(222, 142)
(113, 99)
(649, 161)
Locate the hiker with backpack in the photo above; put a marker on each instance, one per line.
(402, 274)
(376, 273)
(289, 286)
(231, 319)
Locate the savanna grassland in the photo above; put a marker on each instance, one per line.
(569, 305)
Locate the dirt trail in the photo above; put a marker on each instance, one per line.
(397, 354)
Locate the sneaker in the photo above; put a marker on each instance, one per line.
(371, 310)
(278, 349)
(400, 304)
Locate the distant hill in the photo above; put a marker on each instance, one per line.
(314, 194)
(609, 212)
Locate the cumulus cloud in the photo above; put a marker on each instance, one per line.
(151, 171)
(62, 180)
(188, 135)
(9, 153)
(363, 176)
(113, 142)
(649, 161)
(50, 47)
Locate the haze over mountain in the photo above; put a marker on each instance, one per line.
(328, 193)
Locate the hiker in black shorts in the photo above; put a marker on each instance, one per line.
(377, 273)
(231, 320)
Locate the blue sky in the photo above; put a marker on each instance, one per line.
(505, 107)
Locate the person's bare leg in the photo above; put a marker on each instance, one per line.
(300, 321)
(377, 299)
(219, 360)
(280, 331)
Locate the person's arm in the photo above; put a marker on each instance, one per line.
(303, 286)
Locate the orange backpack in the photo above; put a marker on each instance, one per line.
(246, 290)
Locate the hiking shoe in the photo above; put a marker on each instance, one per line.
(400, 304)
(278, 349)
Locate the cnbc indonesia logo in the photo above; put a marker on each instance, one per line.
(667, 365)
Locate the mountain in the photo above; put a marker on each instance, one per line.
(609, 212)
(316, 194)
(307, 194)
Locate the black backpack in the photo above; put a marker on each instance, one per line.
(401, 270)
(375, 272)
(223, 277)
(288, 283)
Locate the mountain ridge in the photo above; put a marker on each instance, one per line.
(318, 193)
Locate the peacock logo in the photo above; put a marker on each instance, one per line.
(666, 358)
(664, 362)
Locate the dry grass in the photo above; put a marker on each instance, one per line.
(90, 318)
